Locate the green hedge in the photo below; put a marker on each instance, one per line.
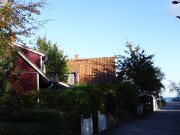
(42, 116)
(85, 99)
(111, 99)
(127, 97)
(29, 129)
(36, 122)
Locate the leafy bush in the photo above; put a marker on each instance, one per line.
(84, 100)
(41, 116)
(8, 103)
(8, 108)
(36, 122)
(29, 99)
(30, 129)
(127, 97)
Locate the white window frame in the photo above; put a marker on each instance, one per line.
(71, 78)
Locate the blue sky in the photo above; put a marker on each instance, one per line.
(100, 28)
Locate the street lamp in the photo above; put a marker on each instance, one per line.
(55, 82)
(175, 2)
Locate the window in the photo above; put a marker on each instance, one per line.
(73, 78)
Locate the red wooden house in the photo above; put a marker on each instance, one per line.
(92, 70)
(33, 74)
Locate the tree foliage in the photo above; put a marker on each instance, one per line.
(8, 58)
(8, 63)
(56, 59)
(18, 17)
(174, 87)
(139, 68)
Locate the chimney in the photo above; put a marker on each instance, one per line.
(76, 57)
(12, 37)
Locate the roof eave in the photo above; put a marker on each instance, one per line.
(29, 49)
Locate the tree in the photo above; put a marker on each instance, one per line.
(139, 68)
(18, 17)
(8, 63)
(174, 87)
(56, 59)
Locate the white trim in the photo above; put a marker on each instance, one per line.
(37, 81)
(30, 63)
(44, 70)
(39, 71)
(41, 62)
(29, 49)
(69, 78)
(77, 78)
(63, 84)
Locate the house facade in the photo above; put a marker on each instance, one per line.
(33, 74)
(91, 70)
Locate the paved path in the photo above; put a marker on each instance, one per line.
(163, 122)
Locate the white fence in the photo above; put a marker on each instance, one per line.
(86, 126)
(155, 106)
(102, 124)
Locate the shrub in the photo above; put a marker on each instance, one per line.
(36, 122)
(84, 100)
(29, 99)
(127, 97)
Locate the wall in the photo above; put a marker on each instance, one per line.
(27, 80)
(33, 57)
(94, 70)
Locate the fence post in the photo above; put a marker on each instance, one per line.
(99, 130)
(91, 124)
(86, 126)
(102, 122)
